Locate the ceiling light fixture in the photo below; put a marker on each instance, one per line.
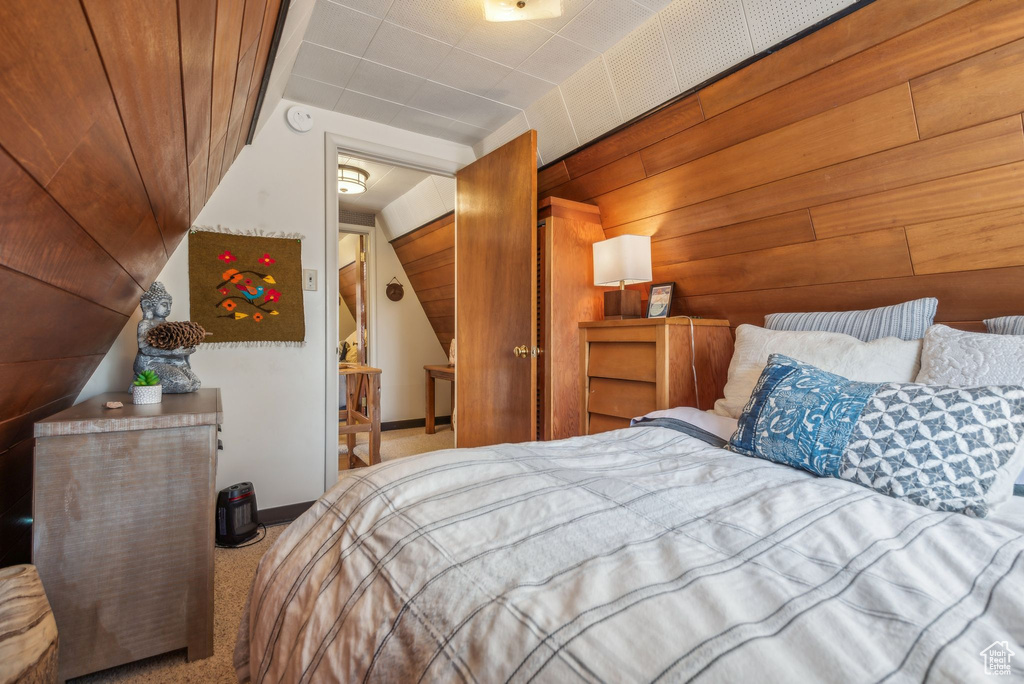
(351, 180)
(517, 10)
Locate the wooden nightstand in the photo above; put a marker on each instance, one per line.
(631, 367)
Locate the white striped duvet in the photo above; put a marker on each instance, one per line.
(636, 555)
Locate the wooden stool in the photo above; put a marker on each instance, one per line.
(363, 381)
(28, 632)
(439, 373)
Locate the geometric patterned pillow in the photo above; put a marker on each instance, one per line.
(945, 448)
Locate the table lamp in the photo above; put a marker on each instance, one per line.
(623, 260)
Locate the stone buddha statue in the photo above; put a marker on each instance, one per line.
(171, 365)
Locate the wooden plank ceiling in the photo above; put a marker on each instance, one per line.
(115, 129)
(878, 159)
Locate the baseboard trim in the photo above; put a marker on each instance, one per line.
(283, 514)
(412, 423)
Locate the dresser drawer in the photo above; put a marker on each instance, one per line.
(622, 398)
(623, 360)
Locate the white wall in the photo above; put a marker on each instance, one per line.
(274, 413)
(348, 250)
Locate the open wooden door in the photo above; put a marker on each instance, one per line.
(496, 296)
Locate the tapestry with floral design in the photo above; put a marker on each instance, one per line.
(246, 290)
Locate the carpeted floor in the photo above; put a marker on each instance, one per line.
(233, 573)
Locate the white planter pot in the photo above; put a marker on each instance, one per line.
(152, 394)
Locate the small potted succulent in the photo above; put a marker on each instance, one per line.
(146, 388)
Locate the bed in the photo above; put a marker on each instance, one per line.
(643, 554)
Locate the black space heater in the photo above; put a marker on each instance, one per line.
(237, 515)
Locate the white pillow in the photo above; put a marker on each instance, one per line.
(888, 359)
(966, 359)
(706, 420)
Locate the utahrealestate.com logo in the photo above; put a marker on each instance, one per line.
(997, 658)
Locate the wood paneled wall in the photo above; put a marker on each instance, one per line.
(115, 128)
(876, 160)
(347, 277)
(428, 257)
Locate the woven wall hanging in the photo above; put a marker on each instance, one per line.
(246, 289)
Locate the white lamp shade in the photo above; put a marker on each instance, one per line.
(516, 10)
(623, 259)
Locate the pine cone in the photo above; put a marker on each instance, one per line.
(175, 335)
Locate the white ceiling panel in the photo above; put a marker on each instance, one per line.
(507, 42)
(366, 107)
(442, 100)
(446, 189)
(468, 72)
(384, 82)
(557, 60)
(466, 134)
(487, 114)
(377, 8)
(555, 135)
(705, 37)
(513, 128)
(603, 22)
(400, 48)
(324, 64)
(772, 21)
(385, 184)
(654, 4)
(590, 101)
(519, 90)
(444, 20)
(422, 122)
(641, 70)
(308, 91)
(342, 28)
(570, 8)
(424, 202)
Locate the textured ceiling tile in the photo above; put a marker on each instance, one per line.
(469, 72)
(366, 107)
(377, 8)
(519, 89)
(466, 134)
(590, 101)
(442, 100)
(407, 50)
(446, 189)
(384, 82)
(772, 21)
(341, 28)
(513, 128)
(424, 202)
(705, 37)
(312, 92)
(445, 20)
(324, 64)
(603, 22)
(422, 122)
(641, 70)
(557, 60)
(555, 135)
(507, 42)
(656, 4)
(487, 113)
(570, 8)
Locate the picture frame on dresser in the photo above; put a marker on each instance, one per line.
(659, 302)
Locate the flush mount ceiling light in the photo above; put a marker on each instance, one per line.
(351, 180)
(516, 10)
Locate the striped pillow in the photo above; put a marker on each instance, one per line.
(907, 321)
(1006, 325)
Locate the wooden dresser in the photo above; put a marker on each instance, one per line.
(123, 532)
(631, 367)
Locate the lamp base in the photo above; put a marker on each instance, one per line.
(620, 304)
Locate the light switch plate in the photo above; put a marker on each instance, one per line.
(309, 279)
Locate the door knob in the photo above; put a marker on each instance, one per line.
(521, 352)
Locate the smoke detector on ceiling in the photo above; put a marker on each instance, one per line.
(517, 10)
(299, 119)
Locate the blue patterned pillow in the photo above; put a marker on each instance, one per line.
(945, 448)
(907, 321)
(1005, 325)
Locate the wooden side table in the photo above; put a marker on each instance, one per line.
(437, 373)
(363, 380)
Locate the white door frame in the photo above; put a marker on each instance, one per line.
(334, 145)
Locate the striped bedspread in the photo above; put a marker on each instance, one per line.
(636, 555)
